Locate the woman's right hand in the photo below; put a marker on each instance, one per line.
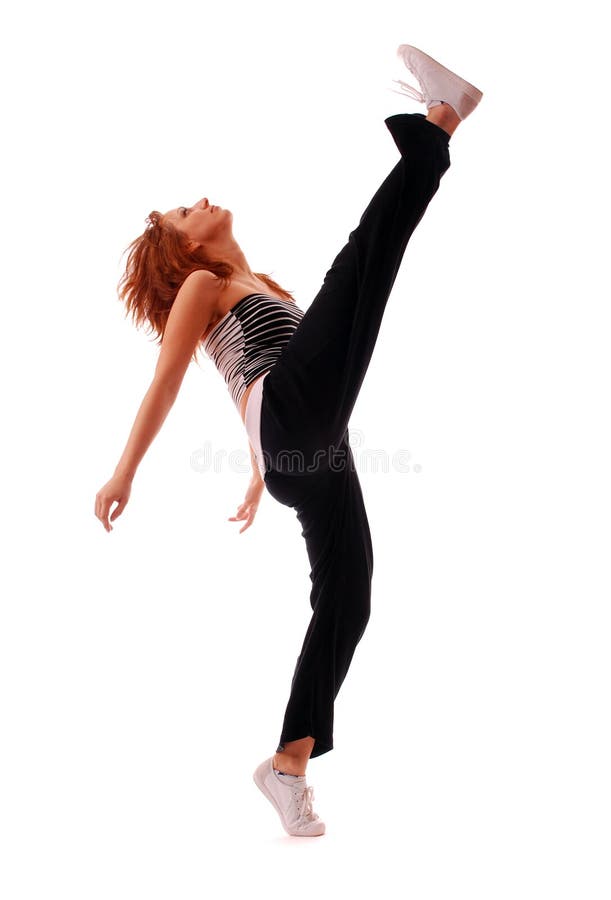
(116, 490)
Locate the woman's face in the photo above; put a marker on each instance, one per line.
(202, 222)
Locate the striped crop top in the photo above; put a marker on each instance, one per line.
(250, 338)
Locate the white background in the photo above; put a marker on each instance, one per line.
(145, 672)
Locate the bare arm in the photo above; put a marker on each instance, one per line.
(256, 474)
(188, 320)
(248, 509)
(153, 411)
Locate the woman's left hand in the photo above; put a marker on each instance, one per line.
(248, 509)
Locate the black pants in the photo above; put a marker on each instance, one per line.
(307, 400)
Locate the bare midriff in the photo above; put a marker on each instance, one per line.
(244, 400)
(227, 299)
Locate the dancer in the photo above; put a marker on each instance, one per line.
(294, 376)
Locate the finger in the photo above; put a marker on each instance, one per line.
(248, 524)
(100, 511)
(118, 510)
(103, 514)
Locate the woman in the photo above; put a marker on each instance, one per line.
(294, 378)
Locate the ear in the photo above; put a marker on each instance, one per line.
(193, 245)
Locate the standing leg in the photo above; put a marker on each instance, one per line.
(330, 508)
(310, 392)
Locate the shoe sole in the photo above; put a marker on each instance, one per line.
(258, 779)
(474, 94)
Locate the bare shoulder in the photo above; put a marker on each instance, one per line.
(201, 280)
(201, 276)
(194, 306)
(190, 316)
(198, 297)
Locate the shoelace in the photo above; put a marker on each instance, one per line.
(307, 812)
(408, 89)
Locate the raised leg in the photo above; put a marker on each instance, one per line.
(309, 394)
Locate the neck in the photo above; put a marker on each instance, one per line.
(231, 252)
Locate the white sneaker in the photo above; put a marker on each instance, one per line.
(292, 802)
(438, 84)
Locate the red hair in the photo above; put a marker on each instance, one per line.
(157, 264)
